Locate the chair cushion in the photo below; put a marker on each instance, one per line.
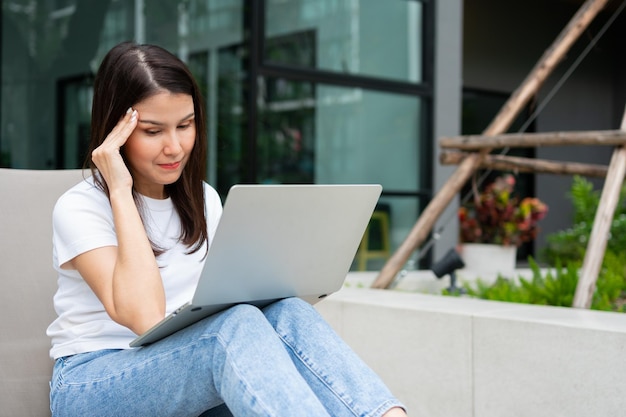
(28, 285)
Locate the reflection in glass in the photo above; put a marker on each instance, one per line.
(367, 37)
(286, 139)
(74, 98)
(324, 134)
(230, 119)
(304, 131)
(43, 42)
(47, 43)
(391, 221)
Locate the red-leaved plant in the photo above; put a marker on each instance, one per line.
(496, 216)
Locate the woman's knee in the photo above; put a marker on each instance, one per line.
(291, 311)
(291, 304)
(242, 311)
(244, 321)
(241, 318)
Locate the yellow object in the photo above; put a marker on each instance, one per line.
(365, 253)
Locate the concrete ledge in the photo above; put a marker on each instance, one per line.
(445, 356)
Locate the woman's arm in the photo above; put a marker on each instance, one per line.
(125, 278)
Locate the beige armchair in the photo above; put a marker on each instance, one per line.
(28, 284)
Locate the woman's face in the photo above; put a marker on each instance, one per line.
(159, 147)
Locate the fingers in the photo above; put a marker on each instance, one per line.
(121, 132)
(107, 157)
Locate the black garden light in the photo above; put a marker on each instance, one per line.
(448, 266)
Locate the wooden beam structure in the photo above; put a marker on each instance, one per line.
(601, 227)
(532, 140)
(520, 97)
(521, 164)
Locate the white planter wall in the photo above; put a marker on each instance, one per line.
(461, 357)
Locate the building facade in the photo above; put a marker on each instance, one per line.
(315, 91)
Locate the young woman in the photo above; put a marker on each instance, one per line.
(129, 245)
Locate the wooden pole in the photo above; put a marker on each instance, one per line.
(520, 164)
(425, 222)
(544, 67)
(601, 227)
(532, 140)
(501, 123)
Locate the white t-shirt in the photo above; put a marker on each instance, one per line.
(83, 221)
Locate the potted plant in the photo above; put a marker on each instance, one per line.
(497, 222)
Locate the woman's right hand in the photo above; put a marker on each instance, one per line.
(125, 277)
(107, 156)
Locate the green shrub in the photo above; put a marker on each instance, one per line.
(502, 290)
(564, 254)
(571, 244)
(555, 287)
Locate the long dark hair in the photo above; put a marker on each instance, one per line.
(131, 73)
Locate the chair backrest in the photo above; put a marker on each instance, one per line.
(27, 285)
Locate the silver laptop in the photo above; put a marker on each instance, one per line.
(274, 242)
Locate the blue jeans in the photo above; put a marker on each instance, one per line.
(284, 360)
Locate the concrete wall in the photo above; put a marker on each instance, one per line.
(461, 357)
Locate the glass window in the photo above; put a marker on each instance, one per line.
(305, 131)
(326, 134)
(51, 50)
(47, 48)
(228, 127)
(316, 133)
(365, 37)
(74, 101)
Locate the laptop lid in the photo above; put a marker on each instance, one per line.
(277, 241)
